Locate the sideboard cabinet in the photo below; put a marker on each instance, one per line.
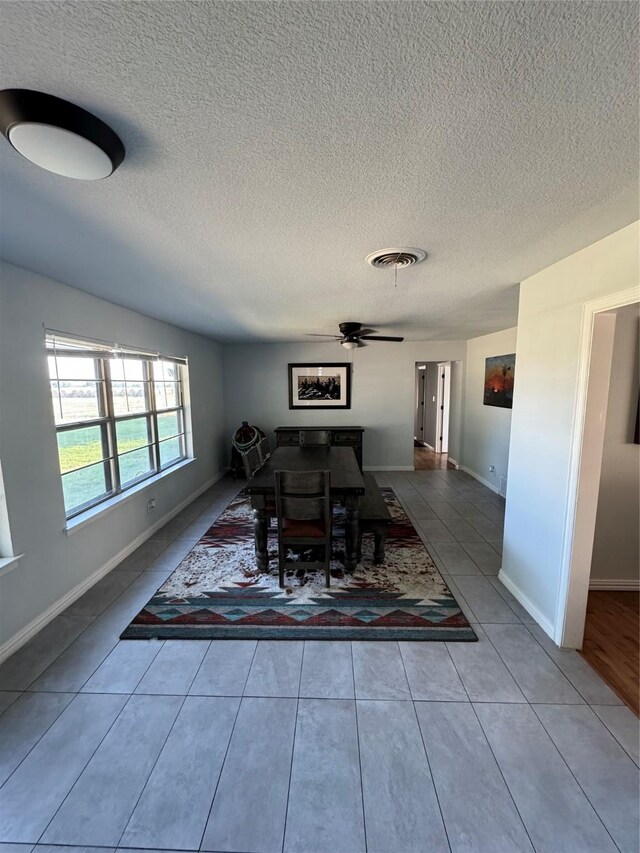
(345, 436)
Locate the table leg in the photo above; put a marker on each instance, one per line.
(379, 538)
(351, 533)
(260, 525)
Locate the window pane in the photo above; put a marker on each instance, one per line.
(79, 447)
(166, 371)
(134, 465)
(76, 401)
(167, 395)
(170, 451)
(169, 424)
(116, 368)
(72, 368)
(132, 434)
(85, 486)
(129, 397)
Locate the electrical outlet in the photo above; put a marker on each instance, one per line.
(151, 505)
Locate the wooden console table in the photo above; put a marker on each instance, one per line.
(343, 436)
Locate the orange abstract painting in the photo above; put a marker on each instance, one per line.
(498, 380)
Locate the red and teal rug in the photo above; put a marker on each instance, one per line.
(218, 593)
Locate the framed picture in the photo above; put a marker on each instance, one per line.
(319, 386)
(499, 373)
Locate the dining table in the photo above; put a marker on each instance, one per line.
(347, 486)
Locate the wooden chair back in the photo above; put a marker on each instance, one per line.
(252, 461)
(303, 496)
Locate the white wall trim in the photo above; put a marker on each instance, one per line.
(573, 582)
(617, 583)
(454, 462)
(388, 468)
(480, 479)
(528, 605)
(25, 634)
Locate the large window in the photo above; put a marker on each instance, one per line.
(119, 414)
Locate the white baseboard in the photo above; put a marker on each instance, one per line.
(388, 468)
(480, 479)
(454, 462)
(25, 634)
(528, 605)
(617, 583)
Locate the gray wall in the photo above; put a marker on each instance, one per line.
(616, 546)
(383, 396)
(487, 429)
(53, 562)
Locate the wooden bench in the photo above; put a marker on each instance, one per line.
(374, 517)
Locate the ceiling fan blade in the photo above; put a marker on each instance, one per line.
(378, 338)
(362, 332)
(314, 335)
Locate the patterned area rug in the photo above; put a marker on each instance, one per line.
(218, 593)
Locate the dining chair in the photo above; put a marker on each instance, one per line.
(314, 438)
(303, 510)
(252, 461)
(264, 449)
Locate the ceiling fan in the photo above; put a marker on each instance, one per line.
(352, 335)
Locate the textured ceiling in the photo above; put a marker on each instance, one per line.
(272, 145)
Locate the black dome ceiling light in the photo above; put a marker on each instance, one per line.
(58, 135)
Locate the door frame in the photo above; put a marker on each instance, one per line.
(587, 444)
(443, 404)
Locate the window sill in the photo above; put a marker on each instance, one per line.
(8, 564)
(79, 521)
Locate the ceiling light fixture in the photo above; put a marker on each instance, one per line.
(349, 344)
(59, 136)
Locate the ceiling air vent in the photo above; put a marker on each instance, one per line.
(395, 258)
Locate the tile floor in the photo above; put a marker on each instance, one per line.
(508, 744)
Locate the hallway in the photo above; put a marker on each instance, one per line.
(425, 459)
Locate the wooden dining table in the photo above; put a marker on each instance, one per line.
(347, 486)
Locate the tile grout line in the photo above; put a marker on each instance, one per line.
(584, 698)
(53, 722)
(497, 763)
(355, 705)
(75, 639)
(226, 752)
(564, 761)
(293, 749)
(99, 744)
(160, 751)
(433, 780)
(550, 658)
(611, 732)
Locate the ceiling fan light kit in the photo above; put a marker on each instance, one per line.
(58, 135)
(353, 335)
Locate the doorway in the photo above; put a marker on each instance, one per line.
(432, 416)
(612, 625)
(602, 523)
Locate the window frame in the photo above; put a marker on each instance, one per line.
(108, 420)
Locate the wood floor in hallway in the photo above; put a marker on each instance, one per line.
(611, 641)
(428, 460)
